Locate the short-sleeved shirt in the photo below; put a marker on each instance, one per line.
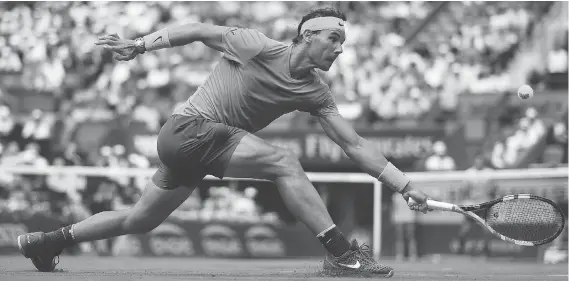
(251, 86)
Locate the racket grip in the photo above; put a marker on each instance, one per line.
(437, 205)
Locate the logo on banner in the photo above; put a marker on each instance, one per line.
(9, 233)
(221, 240)
(262, 241)
(169, 239)
(320, 147)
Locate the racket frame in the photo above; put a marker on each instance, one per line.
(467, 211)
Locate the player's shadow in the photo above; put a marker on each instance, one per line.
(57, 270)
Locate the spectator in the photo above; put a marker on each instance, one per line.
(146, 112)
(18, 201)
(536, 127)
(71, 155)
(245, 205)
(478, 189)
(507, 151)
(475, 190)
(406, 247)
(557, 58)
(37, 128)
(523, 139)
(69, 184)
(440, 160)
(555, 151)
(31, 156)
(10, 130)
(560, 136)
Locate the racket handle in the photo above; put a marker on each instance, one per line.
(437, 205)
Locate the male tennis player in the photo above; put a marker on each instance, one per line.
(257, 80)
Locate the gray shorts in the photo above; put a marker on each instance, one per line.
(191, 147)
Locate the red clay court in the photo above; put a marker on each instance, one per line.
(16, 268)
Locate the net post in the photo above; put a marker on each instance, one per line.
(377, 217)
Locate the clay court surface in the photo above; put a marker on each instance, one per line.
(17, 268)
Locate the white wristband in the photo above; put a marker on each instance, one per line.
(395, 179)
(157, 40)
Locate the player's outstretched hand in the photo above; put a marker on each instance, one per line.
(123, 48)
(419, 202)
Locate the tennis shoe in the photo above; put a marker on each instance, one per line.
(37, 247)
(356, 261)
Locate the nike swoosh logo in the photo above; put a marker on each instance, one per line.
(340, 23)
(354, 266)
(159, 38)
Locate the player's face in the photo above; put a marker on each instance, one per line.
(325, 48)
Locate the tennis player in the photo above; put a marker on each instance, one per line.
(256, 81)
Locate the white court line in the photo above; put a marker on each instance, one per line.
(530, 275)
(509, 275)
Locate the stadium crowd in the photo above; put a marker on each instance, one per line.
(47, 47)
(375, 78)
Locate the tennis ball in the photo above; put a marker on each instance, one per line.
(525, 92)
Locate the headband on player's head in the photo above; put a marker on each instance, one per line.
(322, 23)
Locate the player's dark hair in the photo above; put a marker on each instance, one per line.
(317, 13)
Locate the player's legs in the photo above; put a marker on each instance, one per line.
(159, 199)
(255, 158)
(162, 195)
(154, 206)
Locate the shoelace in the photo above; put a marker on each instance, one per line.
(365, 250)
(367, 253)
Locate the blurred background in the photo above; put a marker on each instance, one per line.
(432, 83)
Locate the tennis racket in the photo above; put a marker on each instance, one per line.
(521, 219)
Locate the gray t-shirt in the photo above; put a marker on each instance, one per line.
(251, 86)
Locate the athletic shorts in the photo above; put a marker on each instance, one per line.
(191, 147)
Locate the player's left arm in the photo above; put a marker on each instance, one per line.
(361, 151)
(367, 156)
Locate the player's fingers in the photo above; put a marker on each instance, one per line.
(120, 57)
(114, 48)
(423, 208)
(414, 207)
(125, 57)
(104, 41)
(108, 37)
(132, 55)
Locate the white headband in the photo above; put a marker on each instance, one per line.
(322, 23)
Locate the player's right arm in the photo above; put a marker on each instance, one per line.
(126, 49)
(237, 44)
(210, 35)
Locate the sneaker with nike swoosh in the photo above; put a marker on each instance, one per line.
(37, 247)
(357, 261)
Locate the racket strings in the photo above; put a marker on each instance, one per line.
(525, 219)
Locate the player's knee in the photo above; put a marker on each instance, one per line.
(137, 223)
(287, 163)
